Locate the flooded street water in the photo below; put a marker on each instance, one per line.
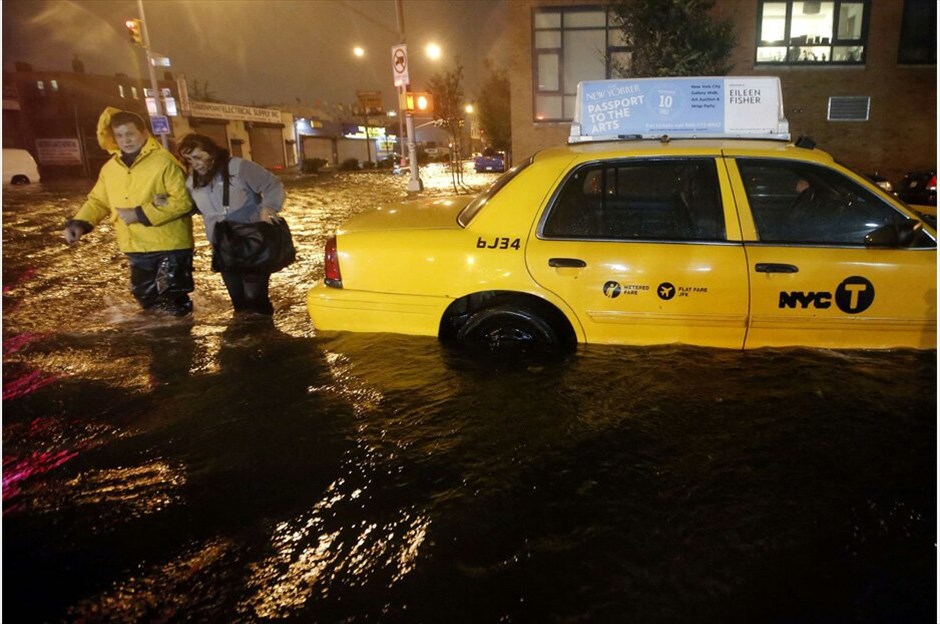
(223, 471)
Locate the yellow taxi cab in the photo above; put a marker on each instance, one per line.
(732, 237)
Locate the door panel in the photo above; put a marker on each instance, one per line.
(813, 280)
(267, 147)
(843, 298)
(638, 248)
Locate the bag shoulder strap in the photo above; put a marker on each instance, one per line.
(225, 184)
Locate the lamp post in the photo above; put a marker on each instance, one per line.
(414, 182)
(153, 73)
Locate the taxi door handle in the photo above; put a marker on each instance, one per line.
(566, 263)
(770, 267)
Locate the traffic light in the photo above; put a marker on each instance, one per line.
(417, 102)
(423, 102)
(133, 29)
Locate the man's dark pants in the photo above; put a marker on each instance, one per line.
(162, 280)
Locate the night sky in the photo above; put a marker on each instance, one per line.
(261, 52)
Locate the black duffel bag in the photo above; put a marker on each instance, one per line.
(252, 247)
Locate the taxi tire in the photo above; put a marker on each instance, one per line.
(513, 326)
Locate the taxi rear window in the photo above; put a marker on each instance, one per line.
(656, 199)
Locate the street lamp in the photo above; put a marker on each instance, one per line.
(433, 51)
(359, 52)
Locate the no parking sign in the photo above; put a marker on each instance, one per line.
(400, 65)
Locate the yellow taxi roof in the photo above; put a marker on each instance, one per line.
(683, 147)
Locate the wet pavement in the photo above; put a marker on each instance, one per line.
(221, 470)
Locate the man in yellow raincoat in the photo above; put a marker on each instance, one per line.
(158, 239)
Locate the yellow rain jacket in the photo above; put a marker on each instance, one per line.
(154, 172)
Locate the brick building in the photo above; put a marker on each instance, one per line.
(54, 115)
(46, 106)
(858, 76)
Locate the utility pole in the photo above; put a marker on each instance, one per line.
(400, 16)
(365, 121)
(414, 184)
(153, 73)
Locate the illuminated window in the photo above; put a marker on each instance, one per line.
(40, 86)
(134, 93)
(812, 32)
(121, 90)
(571, 44)
(55, 85)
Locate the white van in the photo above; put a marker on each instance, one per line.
(19, 167)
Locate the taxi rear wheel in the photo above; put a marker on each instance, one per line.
(512, 327)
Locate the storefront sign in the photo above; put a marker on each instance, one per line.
(359, 132)
(59, 151)
(214, 110)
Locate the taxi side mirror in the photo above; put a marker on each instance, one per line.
(894, 235)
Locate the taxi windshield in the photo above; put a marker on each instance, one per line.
(466, 215)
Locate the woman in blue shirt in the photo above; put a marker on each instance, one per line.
(254, 195)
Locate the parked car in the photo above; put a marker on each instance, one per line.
(881, 182)
(19, 167)
(919, 190)
(719, 242)
(490, 160)
(919, 187)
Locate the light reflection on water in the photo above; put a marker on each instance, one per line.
(214, 470)
(312, 558)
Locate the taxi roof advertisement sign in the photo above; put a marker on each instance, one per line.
(700, 107)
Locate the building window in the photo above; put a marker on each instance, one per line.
(812, 32)
(41, 87)
(134, 93)
(55, 85)
(919, 33)
(121, 90)
(570, 44)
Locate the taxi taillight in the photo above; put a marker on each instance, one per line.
(932, 185)
(331, 265)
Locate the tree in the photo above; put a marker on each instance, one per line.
(447, 94)
(494, 106)
(201, 94)
(673, 38)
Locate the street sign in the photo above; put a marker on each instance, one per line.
(400, 65)
(160, 124)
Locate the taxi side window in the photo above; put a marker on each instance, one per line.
(794, 202)
(675, 199)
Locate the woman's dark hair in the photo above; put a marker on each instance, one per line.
(219, 156)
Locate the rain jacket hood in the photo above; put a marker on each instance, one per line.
(105, 135)
(154, 172)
